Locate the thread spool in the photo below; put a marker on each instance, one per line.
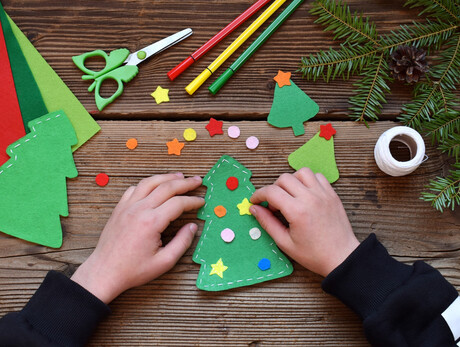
(407, 136)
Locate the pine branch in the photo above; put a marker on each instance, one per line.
(345, 25)
(446, 69)
(429, 34)
(441, 9)
(332, 64)
(451, 145)
(371, 91)
(445, 192)
(443, 124)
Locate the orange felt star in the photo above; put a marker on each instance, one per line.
(283, 78)
(327, 131)
(174, 147)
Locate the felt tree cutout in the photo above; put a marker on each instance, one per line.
(33, 182)
(317, 154)
(234, 250)
(291, 106)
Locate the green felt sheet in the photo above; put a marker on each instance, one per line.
(243, 254)
(29, 96)
(55, 93)
(291, 108)
(33, 182)
(318, 155)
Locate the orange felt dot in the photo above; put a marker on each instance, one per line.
(131, 143)
(220, 211)
(102, 179)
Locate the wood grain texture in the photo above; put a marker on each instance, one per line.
(171, 311)
(64, 28)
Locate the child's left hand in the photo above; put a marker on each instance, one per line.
(129, 252)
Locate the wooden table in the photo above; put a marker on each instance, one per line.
(171, 311)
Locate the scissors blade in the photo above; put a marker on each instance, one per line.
(157, 47)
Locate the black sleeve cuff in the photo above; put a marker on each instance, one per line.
(64, 311)
(366, 277)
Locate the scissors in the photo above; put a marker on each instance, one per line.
(118, 57)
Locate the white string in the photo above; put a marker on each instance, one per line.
(387, 163)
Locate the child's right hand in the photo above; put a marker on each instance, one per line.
(319, 235)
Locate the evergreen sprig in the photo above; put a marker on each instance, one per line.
(434, 107)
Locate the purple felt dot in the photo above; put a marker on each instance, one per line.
(233, 132)
(264, 264)
(227, 235)
(252, 142)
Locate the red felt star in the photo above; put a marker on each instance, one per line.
(283, 78)
(327, 131)
(174, 147)
(214, 127)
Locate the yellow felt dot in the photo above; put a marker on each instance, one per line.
(189, 134)
(220, 211)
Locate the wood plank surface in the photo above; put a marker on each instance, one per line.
(171, 311)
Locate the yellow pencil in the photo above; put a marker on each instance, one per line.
(201, 78)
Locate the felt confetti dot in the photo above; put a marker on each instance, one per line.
(252, 142)
(227, 235)
(102, 179)
(218, 268)
(244, 207)
(283, 78)
(233, 132)
(131, 143)
(214, 127)
(141, 55)
(327, 131)
(255, 233)
(160, 95)
(232, 183)
(220, 211)
(189, 134)
(264, 264)
(174, 146)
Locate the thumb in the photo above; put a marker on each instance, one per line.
(272, 225)
(175, 249)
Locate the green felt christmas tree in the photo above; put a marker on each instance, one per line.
(33, 182)
(234, 250)
(291, 108)
(317, 154)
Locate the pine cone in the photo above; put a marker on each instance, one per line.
(408, 63)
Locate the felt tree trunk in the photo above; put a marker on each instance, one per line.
(234, 250)
(33, 182)
(291, 108)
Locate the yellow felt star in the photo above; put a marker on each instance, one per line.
(218, 269)
(283, 78)
(160, 95)
(244, 207)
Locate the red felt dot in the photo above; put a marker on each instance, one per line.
(232, 183)
(102, 179)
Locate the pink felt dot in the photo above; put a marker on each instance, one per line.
(252, 142)
(227, 235)
(233, 132)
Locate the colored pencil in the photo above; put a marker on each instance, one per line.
(200, 79)
(222, 79)
(175, 72)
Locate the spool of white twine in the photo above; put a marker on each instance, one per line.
(387, 163)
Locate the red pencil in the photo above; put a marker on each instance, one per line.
(216, 38)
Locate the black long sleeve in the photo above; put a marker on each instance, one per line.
(60, 313)
(400, 305)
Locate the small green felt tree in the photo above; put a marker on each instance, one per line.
(234, 250)
(33, 182)
(291, 108)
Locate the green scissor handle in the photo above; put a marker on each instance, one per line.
(112, 70)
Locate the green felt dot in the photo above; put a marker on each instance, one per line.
(141, 55)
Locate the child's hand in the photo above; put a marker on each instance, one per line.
(319, 235)
(129, 252)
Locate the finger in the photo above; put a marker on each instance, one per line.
(147, 185)
(324, 182)
(174, 207)
(171, 188)
(127, 194)
(307, 177)
(290, 184)
(169, 255)
(272, 225)
(276, 196)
